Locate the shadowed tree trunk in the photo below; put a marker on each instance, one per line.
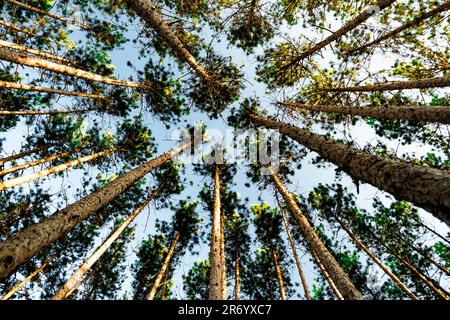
(337, 274)
(36, 62)
(411, 113)
(165, 285)
(349, 26)
(429, 83)
(26, 153)
(27, 32)
(149, 13)
(425, 187)
(26, 87)
(327, 277)
(75, 280)
(413, 23)
(216, 283)
(296, 257)
(38, 162)
(164, 268)
(48, 14)
(25, 281)
(46, 172)
(41, 113)
(19, 248)
(279, 275)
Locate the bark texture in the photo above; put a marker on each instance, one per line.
(279, 275)
(24, 245)
(423, 186)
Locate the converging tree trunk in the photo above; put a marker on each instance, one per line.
(327, 277)
(279, 274)
(340, 278)
(216, 291)
(425, 187)
(27, 32)
(438, 114)
(31, 113)
(46, 172)
(17, 249)
(36, 62)
(409, 25)
(164, 268)
(149, 13)
(20, 155)
(237, 276)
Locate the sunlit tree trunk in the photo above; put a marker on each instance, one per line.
(429, 83)
(27, 32)
(149, 13)
(296, 257)
(38, 162)
(26, 87)
(409, 25)
(327, 277)
(25, 281)
(164, 268)
(19, 248)
(222, 258)
(26, 153)
(165, 285)
(216, 282)
(49, 14)
(425, 187)
(41, 113)
(46, 172)
(36, 62)
(412, 113)
(237, 275)
(278, 274)
(340, 278)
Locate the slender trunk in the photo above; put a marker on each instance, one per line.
(48, 14)
(74, 282)
(46, 172)
(429, 83)
(36, 62)
(296, 257)
(86, 278)
(25, 281)
(40, 53)
(26, 87)
(38, 162)
(164, 287)
(327, 277)
(164, 267)
(237, 286)
(340, 278)
(27, 32)
(279, 275)
(425, 187)
(413, 23)
(222, 258)
(216, 283)
(411, 113)
(349, 26)
(149, 13)
(41, 113)
(26, 153)
(375, 259)
(424, 226)
(17, 249)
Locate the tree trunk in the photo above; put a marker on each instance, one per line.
(411, 113)
(413, 23)
(26, 153)
(237, 285)
(86, 278)
(36, 62)
(375, 259)
(296, 257)
(164, 287)
(48, 14)
(149, 13)
(340, 278)
(349, 26)
(216, 283)
(327, 277)
(222, 258)
(46, 172)
(425, 187)
(26, 87)
(41, 113)
(16, 29)
(35, 52)
(19, 248)
(279, 275)
(25, 281)
(429, 83)
(163, 269)
(38, 162)
(74, 282)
